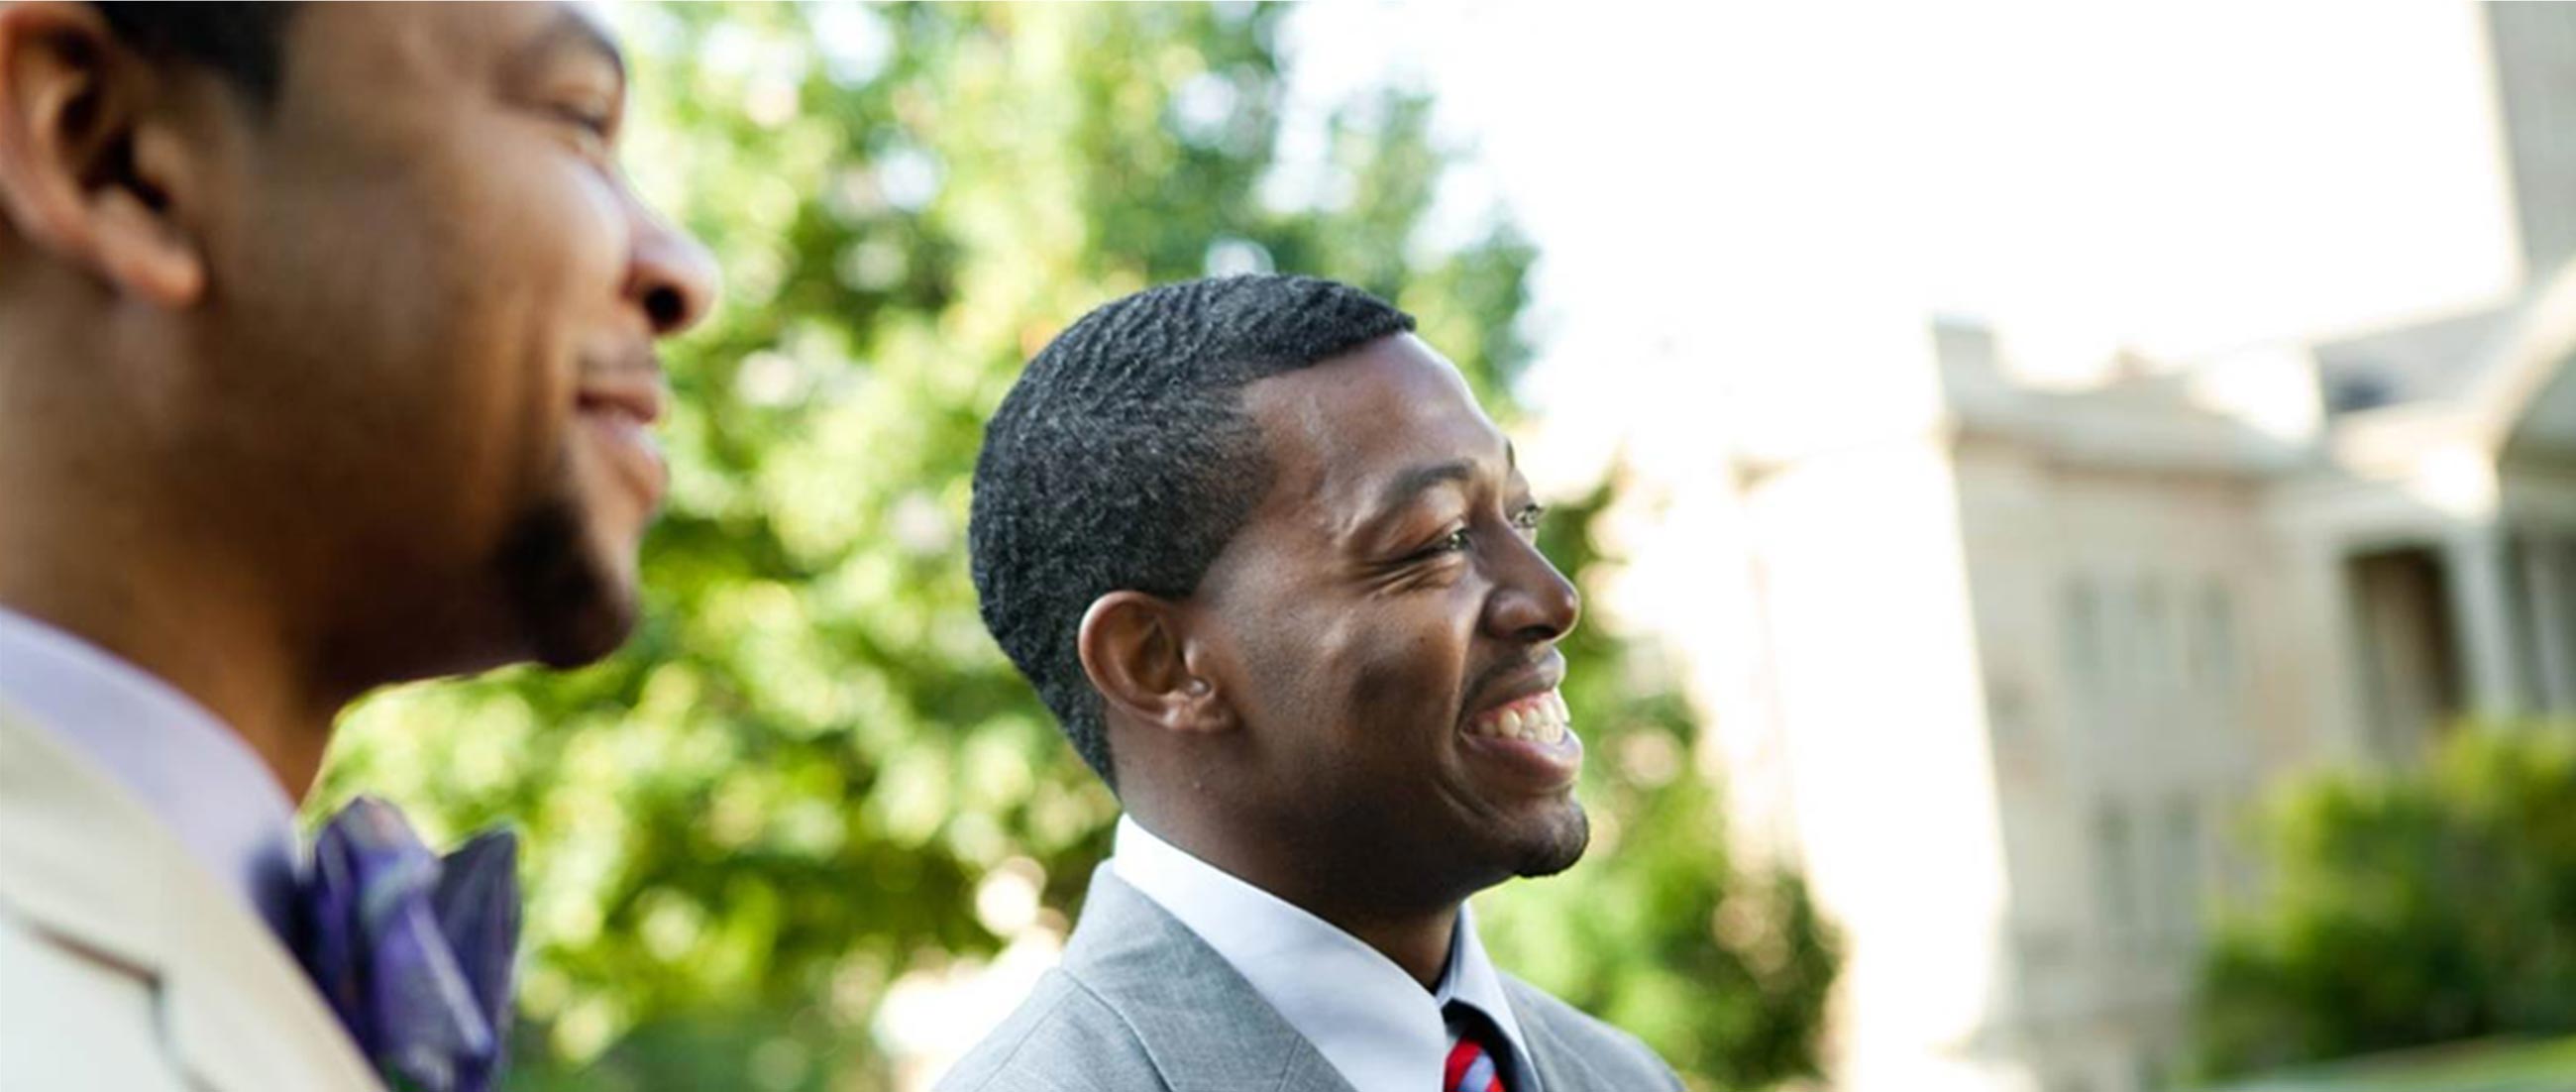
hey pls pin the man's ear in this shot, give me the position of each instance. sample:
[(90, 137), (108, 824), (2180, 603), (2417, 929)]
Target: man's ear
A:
[(88, 171), (1136, 650)]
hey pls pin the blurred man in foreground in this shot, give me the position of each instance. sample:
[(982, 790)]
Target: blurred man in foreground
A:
[(1271, 566), (326, 361)]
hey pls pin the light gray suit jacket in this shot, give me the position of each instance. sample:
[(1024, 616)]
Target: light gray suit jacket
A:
[(1141, 1003), (124, 965)]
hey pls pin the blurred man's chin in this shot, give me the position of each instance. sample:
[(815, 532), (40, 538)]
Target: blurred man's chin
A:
[(576, 601), (1560, 848), (585, 639)]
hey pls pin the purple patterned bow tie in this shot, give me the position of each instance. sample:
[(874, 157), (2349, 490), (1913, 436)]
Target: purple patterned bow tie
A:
[(414, 951)]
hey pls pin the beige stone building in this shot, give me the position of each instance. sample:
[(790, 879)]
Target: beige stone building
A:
[(2024, 654)]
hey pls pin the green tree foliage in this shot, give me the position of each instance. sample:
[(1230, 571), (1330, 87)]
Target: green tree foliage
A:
[(783, 795), (2405, 908)]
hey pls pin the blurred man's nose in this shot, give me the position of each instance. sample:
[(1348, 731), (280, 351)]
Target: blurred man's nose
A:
[(674, 277)]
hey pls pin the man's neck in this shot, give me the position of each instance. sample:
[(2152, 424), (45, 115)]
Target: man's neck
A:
[(195, 627), (1420, 943), (1417, 938), (113, 541)]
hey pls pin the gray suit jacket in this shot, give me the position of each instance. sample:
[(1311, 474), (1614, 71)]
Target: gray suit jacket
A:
[(1141, 1003)]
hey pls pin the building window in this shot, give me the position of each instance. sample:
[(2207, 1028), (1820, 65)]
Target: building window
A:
[(2178, 869), (2155, 643), (2218, 635), (2080, 619), (2115, 873)]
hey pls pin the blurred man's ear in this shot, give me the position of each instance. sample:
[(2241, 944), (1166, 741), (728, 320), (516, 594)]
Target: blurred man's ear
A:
[(89, 172), (1137, 654)]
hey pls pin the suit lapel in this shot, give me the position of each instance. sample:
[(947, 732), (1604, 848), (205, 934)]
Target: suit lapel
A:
[(1204, 1026), (92, 868), (242, 1012), (1560, 1067)]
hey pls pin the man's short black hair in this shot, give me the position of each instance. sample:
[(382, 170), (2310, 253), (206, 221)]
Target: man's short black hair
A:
[(1122, 460), (244, 42)]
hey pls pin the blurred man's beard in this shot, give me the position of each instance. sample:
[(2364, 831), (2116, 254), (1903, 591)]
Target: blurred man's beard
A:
[(570, 610)]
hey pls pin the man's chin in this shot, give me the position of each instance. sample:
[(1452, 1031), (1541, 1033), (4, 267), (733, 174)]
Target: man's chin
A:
[(1558, 846), (575, 601), (584, 639)]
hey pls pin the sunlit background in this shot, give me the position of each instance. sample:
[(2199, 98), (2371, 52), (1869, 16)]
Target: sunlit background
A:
[(2078, 505)]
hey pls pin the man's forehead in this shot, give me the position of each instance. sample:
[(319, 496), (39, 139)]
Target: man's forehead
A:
[(435, 40), (1358, 395), (1339, 430)]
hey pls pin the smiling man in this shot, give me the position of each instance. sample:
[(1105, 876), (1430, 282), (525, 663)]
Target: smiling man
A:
[(326, 361), (1272, 568)]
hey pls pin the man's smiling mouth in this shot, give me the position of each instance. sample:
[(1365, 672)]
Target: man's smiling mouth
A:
[(1539, 718)]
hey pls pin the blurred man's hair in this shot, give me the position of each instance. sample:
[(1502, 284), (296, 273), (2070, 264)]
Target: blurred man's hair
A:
[(1122, 460), (244, 42)]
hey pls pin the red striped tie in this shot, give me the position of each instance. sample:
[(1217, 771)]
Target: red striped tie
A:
[(1472, 1066)]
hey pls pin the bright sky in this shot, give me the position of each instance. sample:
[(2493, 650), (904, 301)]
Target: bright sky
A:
[(1721, 184)]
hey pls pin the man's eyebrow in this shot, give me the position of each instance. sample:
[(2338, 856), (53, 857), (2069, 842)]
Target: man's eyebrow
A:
[(571, 28), (1416, 481)]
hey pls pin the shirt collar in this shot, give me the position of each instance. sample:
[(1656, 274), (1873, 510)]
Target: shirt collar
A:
[(1364, 1014), (185, 766)]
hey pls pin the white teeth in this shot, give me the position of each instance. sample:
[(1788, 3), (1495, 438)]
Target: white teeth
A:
[(1551, 728), (1543, 719)]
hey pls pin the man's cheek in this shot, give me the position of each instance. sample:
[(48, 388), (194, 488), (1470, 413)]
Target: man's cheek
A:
[(1401, 678)]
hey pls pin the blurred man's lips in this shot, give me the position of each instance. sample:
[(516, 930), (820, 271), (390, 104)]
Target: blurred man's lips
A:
[(637, 392), (621, 415)]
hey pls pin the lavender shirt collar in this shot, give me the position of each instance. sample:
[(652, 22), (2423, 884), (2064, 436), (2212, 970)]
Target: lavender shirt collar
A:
[(178, 760)]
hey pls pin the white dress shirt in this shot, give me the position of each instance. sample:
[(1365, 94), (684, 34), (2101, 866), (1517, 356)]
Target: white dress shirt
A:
[(180, 762), (1364, 1014)]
